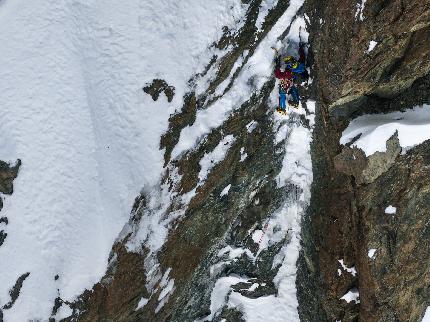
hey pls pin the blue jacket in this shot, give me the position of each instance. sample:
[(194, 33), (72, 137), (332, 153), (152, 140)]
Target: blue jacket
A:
[(299, 69)]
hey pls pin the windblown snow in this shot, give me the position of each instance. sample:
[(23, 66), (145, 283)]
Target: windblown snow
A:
[(73, 110), (412, 126)]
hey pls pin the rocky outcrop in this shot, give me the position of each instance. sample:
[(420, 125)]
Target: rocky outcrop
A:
[(347, 221), (7, 174), (350, 73), (157, 87), (353, 161)]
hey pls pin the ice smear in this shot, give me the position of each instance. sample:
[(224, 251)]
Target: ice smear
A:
[(251, 126), (258, 67), (167, 288), (413, 127), (265, 7)]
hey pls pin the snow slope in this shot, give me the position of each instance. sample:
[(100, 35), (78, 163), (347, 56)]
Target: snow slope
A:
[(73, 111)]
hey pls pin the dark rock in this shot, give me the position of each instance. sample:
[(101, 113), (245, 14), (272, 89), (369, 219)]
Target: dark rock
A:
[(350, 192), (3, 236), (7, 174), (15, 290), (157, 87), (57, 304)]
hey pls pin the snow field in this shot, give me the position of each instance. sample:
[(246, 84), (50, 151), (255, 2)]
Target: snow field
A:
[(73, 110)]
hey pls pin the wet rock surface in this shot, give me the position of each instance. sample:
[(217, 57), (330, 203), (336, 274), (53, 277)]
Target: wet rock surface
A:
[(347, 220)]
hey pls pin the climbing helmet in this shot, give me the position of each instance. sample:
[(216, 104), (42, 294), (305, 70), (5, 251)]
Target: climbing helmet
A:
[(289, 59)]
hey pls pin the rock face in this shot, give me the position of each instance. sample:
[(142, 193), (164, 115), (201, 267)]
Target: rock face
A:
[(239, 196), (347, 220)]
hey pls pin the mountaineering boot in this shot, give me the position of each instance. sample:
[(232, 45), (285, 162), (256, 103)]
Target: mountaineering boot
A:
[(293, 104), (281, 111)]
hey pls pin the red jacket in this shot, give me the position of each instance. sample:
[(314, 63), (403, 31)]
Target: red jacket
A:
[(288, 74), (286, 79)]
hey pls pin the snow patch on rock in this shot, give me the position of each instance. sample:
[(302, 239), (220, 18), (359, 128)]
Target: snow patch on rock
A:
[(390, 210), (413, 127), (352, 295), (371, 253), (372, 45), (225, 191)]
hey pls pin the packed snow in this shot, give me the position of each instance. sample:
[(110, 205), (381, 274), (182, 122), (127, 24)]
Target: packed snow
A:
[(225, 191), (350, 270), (243, 154), (390, 210), (212, 158), (413, 127), (426, 317), (360, 9), (251, 126), (372, 45), (219, 293), (352, 295), (371, 253), (142, 302)]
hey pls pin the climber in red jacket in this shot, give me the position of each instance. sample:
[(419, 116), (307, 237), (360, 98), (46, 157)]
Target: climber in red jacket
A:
[(285, 86)]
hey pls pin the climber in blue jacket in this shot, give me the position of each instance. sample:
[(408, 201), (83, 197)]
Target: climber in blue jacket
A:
[(297, 66)]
